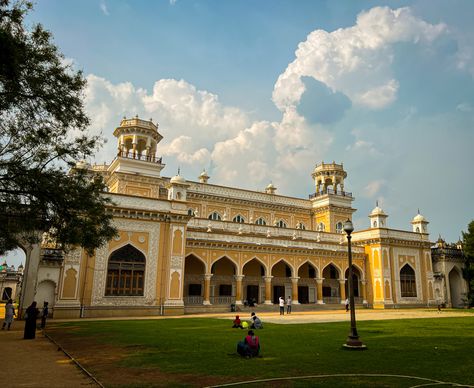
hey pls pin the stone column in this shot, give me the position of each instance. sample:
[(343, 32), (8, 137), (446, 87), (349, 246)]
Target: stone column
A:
[(238, 288), (364, 291), (294, 286), (319, 284), (207, 288), (30, 277), (342, 290), (268, 289)]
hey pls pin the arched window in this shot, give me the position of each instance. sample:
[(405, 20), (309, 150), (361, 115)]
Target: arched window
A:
[(281, 224), (407, 281), (301, 226), (339, 227), (238, 218), (260, 221), (190, 212), (417, 229), (321, 227), (7, 293), (126, 272), (215, 216), (375, 224)]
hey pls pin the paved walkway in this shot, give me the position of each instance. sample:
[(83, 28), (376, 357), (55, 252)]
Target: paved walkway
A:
[(38, 363)]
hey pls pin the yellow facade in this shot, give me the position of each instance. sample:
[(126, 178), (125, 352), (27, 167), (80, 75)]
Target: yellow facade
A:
[(185, 246)]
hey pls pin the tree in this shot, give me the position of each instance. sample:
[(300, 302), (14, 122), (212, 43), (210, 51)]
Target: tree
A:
[(43, 132), (468, 248)]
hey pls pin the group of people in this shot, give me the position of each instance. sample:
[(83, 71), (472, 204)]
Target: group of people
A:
[(282, 305), (31, 315), (255, 322), (249, 346)]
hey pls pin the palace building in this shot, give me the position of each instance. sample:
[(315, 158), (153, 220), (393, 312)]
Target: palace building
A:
[(186, 246)]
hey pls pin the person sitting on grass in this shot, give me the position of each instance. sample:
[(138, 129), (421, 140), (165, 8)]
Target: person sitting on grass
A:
[(250, 346), (237, 323), (256, 322)]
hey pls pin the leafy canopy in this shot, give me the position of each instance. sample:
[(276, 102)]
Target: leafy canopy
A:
[(43, 132)]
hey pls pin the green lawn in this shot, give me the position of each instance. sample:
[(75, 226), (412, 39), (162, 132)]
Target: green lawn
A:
[(440, 349)]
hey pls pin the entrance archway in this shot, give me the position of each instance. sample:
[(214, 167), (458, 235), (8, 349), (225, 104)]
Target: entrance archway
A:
[(455, 288), (331, 291), (307, 289), (281, 282), (253, 285), (194, 270), (356, 281), (223, 282)]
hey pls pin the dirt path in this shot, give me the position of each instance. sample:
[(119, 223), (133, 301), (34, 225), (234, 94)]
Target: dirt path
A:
[(37, 363)]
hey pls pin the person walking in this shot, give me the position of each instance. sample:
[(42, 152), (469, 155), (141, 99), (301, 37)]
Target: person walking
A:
[(282, 305), (30, 321), (288, 305), (44, 315), (9, 314)]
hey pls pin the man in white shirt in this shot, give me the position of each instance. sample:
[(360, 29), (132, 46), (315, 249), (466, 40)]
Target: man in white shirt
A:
[(288, 305), (282, 306)]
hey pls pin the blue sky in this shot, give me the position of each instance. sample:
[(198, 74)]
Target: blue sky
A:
[(260, 91)]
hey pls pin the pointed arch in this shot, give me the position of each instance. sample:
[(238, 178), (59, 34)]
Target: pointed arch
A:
[(256, 258), (239, 219), (292, 270), (455, 287), (408, 281), (327, 268), (222, 268), (126, 272), (310, 264), (198, 260)]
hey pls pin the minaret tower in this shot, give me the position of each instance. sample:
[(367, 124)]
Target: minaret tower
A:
[(136, 148), (331, 204)]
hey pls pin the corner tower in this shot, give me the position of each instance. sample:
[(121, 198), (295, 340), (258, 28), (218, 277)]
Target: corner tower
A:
[(331, 204), (136, 148)]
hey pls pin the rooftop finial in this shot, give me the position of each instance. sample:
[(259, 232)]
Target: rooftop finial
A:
[(179, 169), (377, 203), (418, 210)]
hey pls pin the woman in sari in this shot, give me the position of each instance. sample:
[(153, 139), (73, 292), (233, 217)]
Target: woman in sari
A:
[(30, 321)]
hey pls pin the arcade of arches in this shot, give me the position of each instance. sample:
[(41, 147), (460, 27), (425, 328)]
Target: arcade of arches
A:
[(224, 282)]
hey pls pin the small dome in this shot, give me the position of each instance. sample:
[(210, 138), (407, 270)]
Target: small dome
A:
[(419, 218), (204, 174), (270, 186), (177, 179), (377, 212)]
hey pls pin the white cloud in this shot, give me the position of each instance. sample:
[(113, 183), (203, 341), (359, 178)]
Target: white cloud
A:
[(103, 8), (464, 107), (355, 60), (373, 188), (173, 2)]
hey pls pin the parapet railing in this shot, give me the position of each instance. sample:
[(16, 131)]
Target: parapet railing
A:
[(331, 191)]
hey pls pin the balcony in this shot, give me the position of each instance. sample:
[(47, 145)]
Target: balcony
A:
[(332, 192), (136, 156)]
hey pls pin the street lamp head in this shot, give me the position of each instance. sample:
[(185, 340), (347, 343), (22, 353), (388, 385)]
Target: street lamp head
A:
[(348, 227)]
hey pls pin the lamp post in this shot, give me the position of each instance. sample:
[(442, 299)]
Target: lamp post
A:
[(353, 342)]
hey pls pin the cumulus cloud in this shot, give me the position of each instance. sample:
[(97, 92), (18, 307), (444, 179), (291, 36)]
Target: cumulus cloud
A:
[(373, 188), (356, 60), (464, 107)]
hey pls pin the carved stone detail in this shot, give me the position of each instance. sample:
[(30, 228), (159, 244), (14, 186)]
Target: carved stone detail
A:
[(100, 273)]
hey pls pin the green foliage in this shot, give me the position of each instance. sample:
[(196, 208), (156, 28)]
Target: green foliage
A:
[(468, 249), (430, 348), (43, 132)]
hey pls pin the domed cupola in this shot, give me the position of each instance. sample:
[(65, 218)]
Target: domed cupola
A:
[(177, 188), (420, 224), (378, 219)]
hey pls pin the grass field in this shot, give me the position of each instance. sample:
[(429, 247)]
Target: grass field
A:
[(201, 352)]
